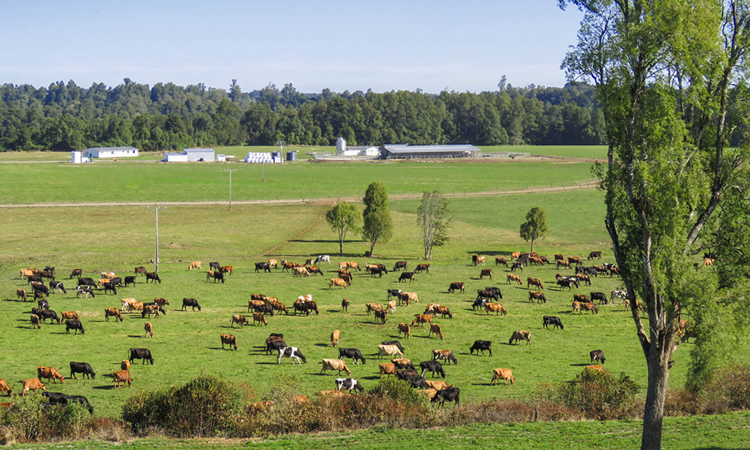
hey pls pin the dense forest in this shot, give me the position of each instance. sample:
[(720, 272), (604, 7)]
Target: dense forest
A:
[(165, 116)]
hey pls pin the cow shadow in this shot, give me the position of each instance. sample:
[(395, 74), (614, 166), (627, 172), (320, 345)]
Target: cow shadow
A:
[(136, 336), (580, 365), (322, 345), (268, 363), (105, 388), (217, 348), (334, 310), (373, 377)]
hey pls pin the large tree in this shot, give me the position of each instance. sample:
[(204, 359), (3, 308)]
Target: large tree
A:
[(343, 218), (378, 225), (434, 217), (665, 73), (535, 226)]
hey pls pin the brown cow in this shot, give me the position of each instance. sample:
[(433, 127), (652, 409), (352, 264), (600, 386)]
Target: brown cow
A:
[(408, 297), (562, 262), (520, 334), (435, 329), (590, 307), (505, 374), (404, 328), (227, 269), (258, 318), (49, 373), (387, 369), (35, 321), (273, 263), (114, 312), (194, 265), (335, 337), (122, 376), (32, 384), (496, 307), (422, 318), (477, 260), (513, 277), (500, 260), (577, 306), (373, 307), (535, 282), (485, 273), (338, 282), (69, 315), (515, 255), (149, 329), (228, 339), (21, 293), (239, 319), (5, 388)]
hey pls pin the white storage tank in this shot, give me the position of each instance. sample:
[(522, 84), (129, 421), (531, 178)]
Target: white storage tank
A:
[(340, 146), (75, 157)]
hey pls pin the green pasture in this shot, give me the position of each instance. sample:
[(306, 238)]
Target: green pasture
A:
[(568, 151)]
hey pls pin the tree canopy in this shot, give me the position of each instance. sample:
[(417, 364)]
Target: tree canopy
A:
[(535, 226), (433, 216), (378, 225), (343, 218)]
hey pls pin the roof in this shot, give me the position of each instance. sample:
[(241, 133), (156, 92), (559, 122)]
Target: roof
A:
[(110, 148), (404, 149), (198, 150)]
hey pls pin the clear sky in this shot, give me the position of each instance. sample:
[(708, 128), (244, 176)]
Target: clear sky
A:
[(383, 45)]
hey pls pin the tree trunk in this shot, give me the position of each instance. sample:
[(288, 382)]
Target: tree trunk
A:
[(341, 247), (532, 245), (653, 415), (372, 247)]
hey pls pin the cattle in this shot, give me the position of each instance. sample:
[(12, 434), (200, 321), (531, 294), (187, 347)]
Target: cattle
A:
[(435, 329), (76, 273), (335, 337), (312, 270), (584, 278), (35, 321), (396, 343), (81, 367), (404, 328), (513, 277), (485, 273), (408, 297), (515, 255), (520, 335), (373, 307), (501, 260), (112, 312), (422, 268), (432, 366), (48, 314), (69, 315), (323, 258), (162, 302), (597, 355), (301, 270), (505, 374), (562, 262), (227, 269), (135, 306), (259, 318), (552, 320), (480, 302), (497, 308), (305, 307), (149, 329), (406, 374), (534, 281), (445, 355), (443, 311), (580, 298), (614, 271), (601, 296), (389, 350), (391, 307), (345, 304), (239, 319), (214, 265), (353, 353), (151, 310), (273, 263), (43, 304), (406, 276), (32, 384), (538, 296), (593, 368), (456, 286), (575, 260), (386, 369), (57, 286), (5, 388), (381, 316), (490, 292), (618, 294), (153, 276), (422, 318), (57, 398), (86, 291), (393, 293), (108, 275), (194, 265), (567, 282), (74, 325), (21, 293), (122, 376), (516, 265), (124, 364), (190, 302), (129, 280), (230, 340), (403, 363), (478, 260), (38, 287), (451, 395), (291, 352), (590, 307), (400, 265), (434, 386), (109, 287), (338, 282), (593, 255), (481, 346), (335, 364), (274, 344), (49, 373), (141, 353), (262, 267), (349, 384)]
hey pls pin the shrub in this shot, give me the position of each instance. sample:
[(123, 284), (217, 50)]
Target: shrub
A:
[(32, 419), (727, 389), (599, 395)]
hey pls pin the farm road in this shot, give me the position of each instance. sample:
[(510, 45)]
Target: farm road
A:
[(317, 201)]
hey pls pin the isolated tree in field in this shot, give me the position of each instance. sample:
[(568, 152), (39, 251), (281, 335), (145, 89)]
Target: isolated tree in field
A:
[(343, 218), (671, 78), (378, 226), (434, 217), (535, 226)]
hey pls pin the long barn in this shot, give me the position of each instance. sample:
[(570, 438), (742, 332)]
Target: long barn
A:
[(403, 151)]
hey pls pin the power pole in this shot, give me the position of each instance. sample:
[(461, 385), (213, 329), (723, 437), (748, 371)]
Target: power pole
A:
[(230, 186), (156, 211)]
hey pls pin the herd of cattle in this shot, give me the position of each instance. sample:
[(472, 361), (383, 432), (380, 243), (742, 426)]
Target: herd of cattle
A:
[(262, 306)]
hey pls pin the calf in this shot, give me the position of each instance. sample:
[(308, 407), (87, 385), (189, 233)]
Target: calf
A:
[(353, 353), (481, 346), (141, 353), (435, 329), (451, 395), (149, 329), (520, 335), (74, 325), (432, 366), (505, 374), (349, 384), (190, 302), (552, 320), (597, 355), (81, 367)]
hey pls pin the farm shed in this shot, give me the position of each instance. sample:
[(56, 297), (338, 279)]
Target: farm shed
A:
[(403, 151), (110, 152), (191, 154)]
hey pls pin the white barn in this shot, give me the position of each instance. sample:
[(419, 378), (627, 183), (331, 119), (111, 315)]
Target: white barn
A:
[(110, 152), (192, 154)]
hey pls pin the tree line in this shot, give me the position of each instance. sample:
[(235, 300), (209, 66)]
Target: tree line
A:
[(165, 116)]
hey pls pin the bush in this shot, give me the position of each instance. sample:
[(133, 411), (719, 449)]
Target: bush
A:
[(32, 419), (727, 389), (599, 395)]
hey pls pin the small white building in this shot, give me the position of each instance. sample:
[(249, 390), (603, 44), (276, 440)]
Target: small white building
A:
[(191, 155), (362, 150), (110, 152)]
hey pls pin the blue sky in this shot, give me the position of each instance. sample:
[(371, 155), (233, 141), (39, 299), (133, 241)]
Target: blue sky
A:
[(382, 45)]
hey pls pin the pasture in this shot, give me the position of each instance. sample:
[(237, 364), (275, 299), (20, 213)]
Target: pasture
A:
[(186, 343)]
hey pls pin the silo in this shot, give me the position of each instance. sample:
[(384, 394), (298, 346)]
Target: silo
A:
[(340, 146)]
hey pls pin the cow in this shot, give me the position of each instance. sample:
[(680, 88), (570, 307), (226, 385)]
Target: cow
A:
[(272, 263), (86, 291), (335, 364), (552, 320), (403, 363), (353, 353), (387, 369), (450, 394), (422, 268), (5, 388), (69, 315), (373, 307), (349, 384), (149, 329), (57, 398), (129, 280), (335, 337), (239, 319), (214, 266), (393, 293), (76, 273), (153, 276), (230, 340), (432, 366), (590, 307), (312, 270), (580, 298), (485, 273), (534, 281), (190, 302), (323, 258), (389, 350), (74, 325), (519, 335), (259, 318), (443, 311), (382, 316), (592, 255), (538, 296), (597, 355), (262, 267), (516, 265), (122, 376), (81, 367), (396, 343), (445, 355), (338, 282), (301, 270), (422, 318), (391, 307), (152, 310), (435, 329), (35, 321), (306, 307), (32, 384), (274, 344), (43, 304), (582, 277), (456, 286), (618, 294), (500, 260), (601, 296), (491, 292), (505, 374), (567, 282), (562, 262), (345, 304), (141, 353), (513, 277), (404, 328), (194, 265), (48, 314), (49, 373), (406, 276), (400, 265), (575, 260), (497, 308), (57, 286), (478, 260), (291, 352), (21, 293), (112, 312), (481, 346), (480, 302), (227, 269), (408, 297)]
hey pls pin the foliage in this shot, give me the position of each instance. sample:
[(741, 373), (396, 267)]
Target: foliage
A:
[(599, 395), (378, 224), (343, 218), (434, 217), (32, 419), (535, 226), (728, 389)]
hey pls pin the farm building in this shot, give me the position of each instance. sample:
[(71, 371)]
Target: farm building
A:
[(343, 150), (191, 154), (403, 151), (110, 152)]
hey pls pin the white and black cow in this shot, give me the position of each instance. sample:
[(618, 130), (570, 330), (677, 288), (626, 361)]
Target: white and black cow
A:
[(353, 353), (291, 352), (57, 286), (349, 384), (85, 291), (597, 355), (323, 258)]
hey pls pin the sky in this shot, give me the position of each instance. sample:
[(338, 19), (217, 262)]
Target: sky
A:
[(383, 45)]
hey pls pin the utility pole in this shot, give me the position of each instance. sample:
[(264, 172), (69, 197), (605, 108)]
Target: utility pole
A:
[(230, 186), (156, 211)]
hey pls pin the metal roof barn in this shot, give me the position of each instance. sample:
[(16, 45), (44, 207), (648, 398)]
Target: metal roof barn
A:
[(401, 151)]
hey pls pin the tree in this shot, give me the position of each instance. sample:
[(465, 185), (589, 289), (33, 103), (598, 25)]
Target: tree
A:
[(378, 225), (535, 226), (343, 218), (434, 218), (665, 73)]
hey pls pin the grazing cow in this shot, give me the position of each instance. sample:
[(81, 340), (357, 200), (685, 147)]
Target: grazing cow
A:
[(291, 352), (153, 276), (141, 353), (601, 296), (535, 282), (230, 340), (338, 282), (456, 286), (21, 293), (422, 268), (323, 258), (49, 373), (262, 267), (109, 286), (57, 398), (404, 328), (406, 276), (35, 321), (434, 386), (404, 363), (582, 277), (538, 296), (259, 318), (140, 270), (382, 316), (386, 369), (335, 337), (597, 255), (130, 280), (497, 308), (345, 304), (516, 265), (576, 306), (32, 384), (422, 318), (5, 388), (393, 293), (349, 384), (305, 307), (481, 346), (301, 270), (614, 271), (432, 366), (122, 376), (57, 286), (519, 335), (435, 329), (190, 302), (491, 292), (451, 395), (151, 310), (562, 262), (408, 297), (69, 315), (500, 260), (227, 269), (552, 320), (389, 350), (194, 265), (597, 355), (112, 312), (567, 282), (485, 273), (480, 302), (335, 364), (274, 344), (43, 304), (391, 307), (85, 291), (353, 353), (76, 273), (513, 277), (505, 374), (214, 266), (373, 307), (149, 329), (618, 294), (396, 343), (81, 367), (581, 298), (239, 319), (74, 325), (443, 311), (575, 260), (590, 307), (445, 355), (400, 265), (477, 260)]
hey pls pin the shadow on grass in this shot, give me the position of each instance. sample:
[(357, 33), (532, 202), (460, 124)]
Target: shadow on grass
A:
[(135, 336)]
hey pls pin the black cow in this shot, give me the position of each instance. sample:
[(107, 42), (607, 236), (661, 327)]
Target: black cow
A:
[(353, 353), (396, 343), (47, 274), (344, 304), (48, 314), (587, 271), (265, 309), (405, 374), (274, 345), (552, 320), (110, 287), (481, 346), (116, 281), (597, 355), (495, 290), (378, 270), (305, 308), (142, 354), (418, 382), (85, 290), (190, 302), (406, 276), (81, 367), (601, 296), (432, 366), (40, 288), (262, 266), (486, 293), (400, 265), (74, 325), (393, 293), (479, 303), (87, 282), (567, 283), (214, 266), (76, 273), (57, 286), (49, 269), (456, 286), (450, 394), (43, 304), (130, 280), (593, 255), (218, 276), (153, 276), (349, 384), (58, 398), (516, 265)]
